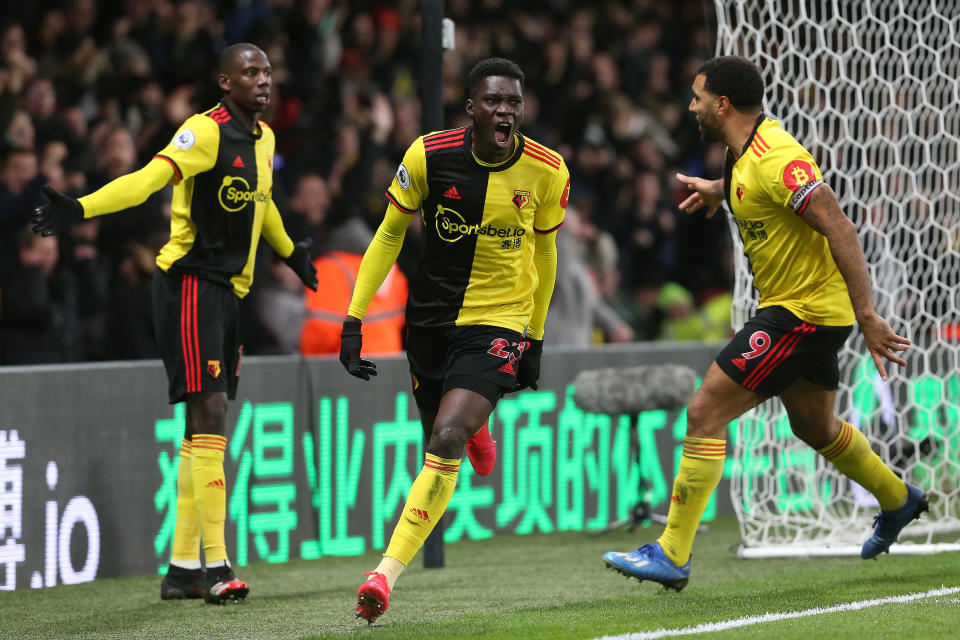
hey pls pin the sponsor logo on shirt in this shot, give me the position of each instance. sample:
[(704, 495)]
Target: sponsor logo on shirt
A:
[(235, 193), (451, 227), (751, 229), (798, 173)]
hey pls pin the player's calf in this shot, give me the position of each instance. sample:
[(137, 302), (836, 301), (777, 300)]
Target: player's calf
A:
[(482, 451)]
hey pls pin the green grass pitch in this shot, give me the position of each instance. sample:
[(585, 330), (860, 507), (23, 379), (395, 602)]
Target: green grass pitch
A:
[(538, 586)]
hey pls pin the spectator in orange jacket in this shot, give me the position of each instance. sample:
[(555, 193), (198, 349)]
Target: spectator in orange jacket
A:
[(337, 274)]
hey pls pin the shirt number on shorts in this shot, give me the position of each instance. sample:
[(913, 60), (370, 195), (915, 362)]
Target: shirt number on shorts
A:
[(759, 342), (499, 346)]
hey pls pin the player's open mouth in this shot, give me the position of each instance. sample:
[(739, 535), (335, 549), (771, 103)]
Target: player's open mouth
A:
[(502, 133), (263, 98)]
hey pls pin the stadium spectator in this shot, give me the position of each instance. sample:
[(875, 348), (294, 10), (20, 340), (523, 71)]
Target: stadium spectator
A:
[(337, 267), (813, 282), (578, 310), (217, 161), (20, 185), (601, 90), (307, 217), (278, 308), (90, 273), (478, 303), (40, 102), (38, 307)]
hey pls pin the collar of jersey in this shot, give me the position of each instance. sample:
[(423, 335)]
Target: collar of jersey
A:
[(753, 133), (506, 164), (256, 135)]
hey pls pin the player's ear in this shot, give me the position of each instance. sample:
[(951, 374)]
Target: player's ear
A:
[(470, 107), (722, 105), (223, 80)]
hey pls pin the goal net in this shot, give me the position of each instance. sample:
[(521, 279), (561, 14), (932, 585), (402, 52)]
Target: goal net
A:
[(871, 89)]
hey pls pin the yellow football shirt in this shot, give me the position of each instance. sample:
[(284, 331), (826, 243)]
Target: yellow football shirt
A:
[(767, 190), (479, 222), (221, 199)]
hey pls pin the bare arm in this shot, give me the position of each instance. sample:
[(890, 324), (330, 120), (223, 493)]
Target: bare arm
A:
[(824, 215)]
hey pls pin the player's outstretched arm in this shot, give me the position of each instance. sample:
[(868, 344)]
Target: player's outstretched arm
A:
[(706, 193), (824, 215), (61, 212), (376, 264)]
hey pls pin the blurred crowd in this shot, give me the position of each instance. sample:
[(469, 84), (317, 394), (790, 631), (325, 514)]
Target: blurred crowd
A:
[(91, 89)]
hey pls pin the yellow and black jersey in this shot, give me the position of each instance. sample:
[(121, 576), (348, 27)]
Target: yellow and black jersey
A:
[(767, 189), (224, 180), (479, 221)]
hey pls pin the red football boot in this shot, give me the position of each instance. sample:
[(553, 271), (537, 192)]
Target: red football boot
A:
[(224, 586), (373, 597), (482, 451)]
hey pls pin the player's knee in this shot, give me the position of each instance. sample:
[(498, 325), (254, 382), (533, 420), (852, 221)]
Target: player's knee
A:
[(447, 440), (701, 422), (696, 418), (209, 413)]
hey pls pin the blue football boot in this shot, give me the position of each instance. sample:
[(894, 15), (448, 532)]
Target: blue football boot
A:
[(649, 562), (887, 525)]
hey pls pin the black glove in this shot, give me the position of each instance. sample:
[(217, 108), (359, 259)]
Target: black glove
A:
[(302, 265), (61, 213), (529, 371), (351, 340)]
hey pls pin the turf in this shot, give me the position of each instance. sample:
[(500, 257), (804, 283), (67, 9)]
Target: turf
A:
[(516, 587)]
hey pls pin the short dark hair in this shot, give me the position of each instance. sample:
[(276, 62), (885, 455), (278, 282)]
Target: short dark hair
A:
[(9, 150), (736, 78), (230, 53), (493, 67)]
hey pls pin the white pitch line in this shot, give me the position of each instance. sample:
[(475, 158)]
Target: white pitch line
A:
[(708, 627)]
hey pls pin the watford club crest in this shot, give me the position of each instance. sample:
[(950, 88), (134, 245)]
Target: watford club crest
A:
[(213, 368), (740, 191), (521, 198)]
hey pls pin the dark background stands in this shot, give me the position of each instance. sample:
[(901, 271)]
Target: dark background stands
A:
[(91, 89)]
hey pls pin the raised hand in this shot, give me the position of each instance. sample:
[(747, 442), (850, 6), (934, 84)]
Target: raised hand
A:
[(706, 193), (882, 342)]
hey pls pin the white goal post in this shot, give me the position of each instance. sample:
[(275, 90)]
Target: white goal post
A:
[(872, 89)]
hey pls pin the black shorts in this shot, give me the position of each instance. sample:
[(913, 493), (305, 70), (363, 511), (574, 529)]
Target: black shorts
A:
[(775, 348), (197, 324), (480, 358)]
